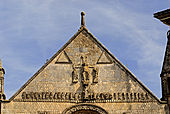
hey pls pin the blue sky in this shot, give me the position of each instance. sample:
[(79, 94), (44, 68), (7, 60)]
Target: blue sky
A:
[(31, 31)]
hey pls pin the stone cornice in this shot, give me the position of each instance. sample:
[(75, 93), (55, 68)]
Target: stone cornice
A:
[(163, 16)]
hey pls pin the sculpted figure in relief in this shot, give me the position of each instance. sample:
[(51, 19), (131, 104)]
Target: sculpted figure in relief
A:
[(74, 76), (95, 75), (85, 74)]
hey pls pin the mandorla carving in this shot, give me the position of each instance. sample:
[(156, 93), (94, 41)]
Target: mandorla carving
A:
[(86, 74)]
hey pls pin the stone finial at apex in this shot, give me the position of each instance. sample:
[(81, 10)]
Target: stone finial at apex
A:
[(2, 72), (82, 19), (0, 64), (1, 68)]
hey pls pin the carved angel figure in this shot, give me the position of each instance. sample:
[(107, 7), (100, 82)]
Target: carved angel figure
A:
[(74, 76), (95, 75)]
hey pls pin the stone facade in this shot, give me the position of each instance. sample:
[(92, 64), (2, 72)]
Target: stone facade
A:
[(83, 77)]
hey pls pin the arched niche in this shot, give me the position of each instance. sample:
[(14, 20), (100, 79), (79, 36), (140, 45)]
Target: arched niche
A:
[(84, 109)]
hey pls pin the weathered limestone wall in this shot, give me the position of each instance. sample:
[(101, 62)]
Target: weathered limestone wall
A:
[(109, 77), (84, 72), (58, 108)]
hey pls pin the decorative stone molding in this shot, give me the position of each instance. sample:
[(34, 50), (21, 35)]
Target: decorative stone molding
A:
[(84, 107), (77, 97)]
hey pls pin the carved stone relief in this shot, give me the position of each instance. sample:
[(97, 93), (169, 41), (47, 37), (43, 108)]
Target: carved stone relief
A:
[(74, 76), (88, 75), (95, 75), (88, 97), (84, 107)]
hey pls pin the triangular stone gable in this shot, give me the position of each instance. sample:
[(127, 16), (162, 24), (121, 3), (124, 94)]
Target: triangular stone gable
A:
[(105, 77)]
